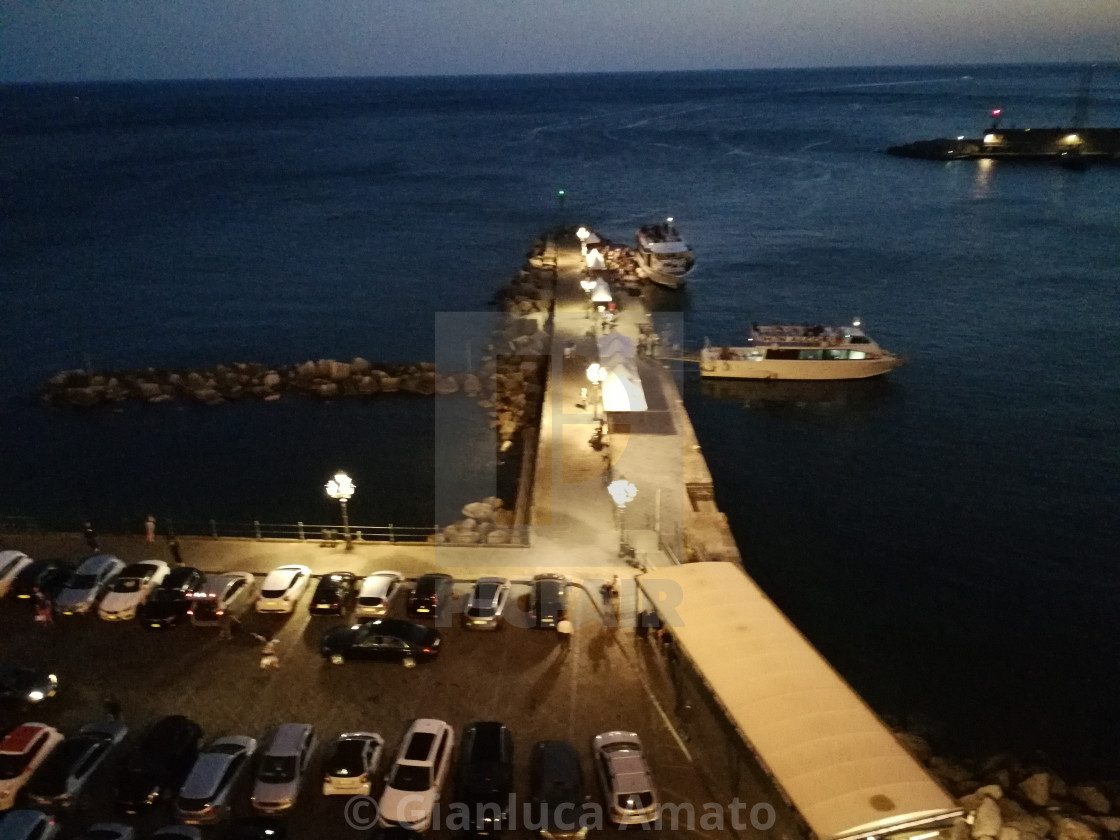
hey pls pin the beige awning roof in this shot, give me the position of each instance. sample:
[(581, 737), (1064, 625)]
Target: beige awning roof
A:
[(837, 762)]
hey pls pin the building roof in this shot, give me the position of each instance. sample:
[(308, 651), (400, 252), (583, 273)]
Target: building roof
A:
[(837, 762)]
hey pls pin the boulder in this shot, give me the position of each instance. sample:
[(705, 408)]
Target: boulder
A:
[(271, 379), (389, 384), (987, 820), (1067, 828), (1008, 832), (272, 397), (499, 536), (1091, 798), (493, 501), (960, 829), (369, 385), (337, 371), (1036, 789), (467, 524), (463, 537), (327, 390), (207, 396), (1110, 824), (307, 370), (160, 398), (1029, 825), (471, 385), (478, 511), (1010, 809), (993, 791), (149, 390), (360, 366), (323, 368), (426, 383), (446, 385)]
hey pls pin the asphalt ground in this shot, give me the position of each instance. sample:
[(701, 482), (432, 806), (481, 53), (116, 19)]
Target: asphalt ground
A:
[(607, 680)]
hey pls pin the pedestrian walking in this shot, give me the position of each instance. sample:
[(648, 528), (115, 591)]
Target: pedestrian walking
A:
[(564, 629), (90, 537), (270, 661), (112, 706), (150, 529), (173, 547), (44, 610)]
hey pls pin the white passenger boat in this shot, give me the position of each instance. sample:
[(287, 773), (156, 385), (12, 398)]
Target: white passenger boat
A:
[(799, 352), (663, 255)]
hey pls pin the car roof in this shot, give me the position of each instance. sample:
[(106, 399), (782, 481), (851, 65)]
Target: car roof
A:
[(142, 568), (97, 562), (286, 738), (629, 772), (285, 573), (217, 584), (20, 738)]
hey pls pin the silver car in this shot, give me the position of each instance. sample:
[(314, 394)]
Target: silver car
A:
[(205, 795), (88, 584), (376, 594), (485, 606), (627, 783), (283, 765)]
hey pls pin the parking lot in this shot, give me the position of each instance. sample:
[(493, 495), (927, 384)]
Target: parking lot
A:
[(608, 679)]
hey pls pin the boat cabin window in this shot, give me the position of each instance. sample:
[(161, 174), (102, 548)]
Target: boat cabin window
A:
[(856, 354), (754, 355), (808, 354), (836, 354), (781, 353), (860, 339)]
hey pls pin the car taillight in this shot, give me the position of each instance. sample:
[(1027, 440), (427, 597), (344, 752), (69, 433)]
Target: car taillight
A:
[(220, 612), (190, 612)]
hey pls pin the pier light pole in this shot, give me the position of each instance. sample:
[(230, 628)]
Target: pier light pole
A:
[(597, 375), (341, 488), (623, 493), (583, 234)]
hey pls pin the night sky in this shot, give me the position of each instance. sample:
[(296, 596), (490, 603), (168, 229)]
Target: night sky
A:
[(71, 40)]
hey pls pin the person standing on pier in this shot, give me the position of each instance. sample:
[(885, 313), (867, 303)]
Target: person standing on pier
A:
[(90, 537), (173, 547), (150, 529)]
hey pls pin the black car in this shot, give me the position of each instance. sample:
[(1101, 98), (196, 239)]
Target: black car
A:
[(550, 601), (160, 760), (25, 685), (169, 602), (556, 787), (41, 576), (431, 595), (334, 594), (486, 776), (382, 639)]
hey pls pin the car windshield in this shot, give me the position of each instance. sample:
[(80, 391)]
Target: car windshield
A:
[(277, 768), (369, 601), (347, 758), (635, 801), (127, 585), (480, 612), (12, 764), (273, 593), (81, 581), (162, 595), (411, 777)]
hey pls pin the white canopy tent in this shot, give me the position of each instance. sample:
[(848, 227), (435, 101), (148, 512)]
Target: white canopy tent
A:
[(622, 389), (595, 260), (837, 762), (602, 292)]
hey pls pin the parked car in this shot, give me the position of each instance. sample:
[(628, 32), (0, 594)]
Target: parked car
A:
[(377, 593), (385, 639), (283, 765), (11, 564), (28, 825), (282, 588), (431, 595), (417, 776), (486, 604), (86, 585), (158, 762), (24, 685), (556, 789), (169, 602), (333, 594), (625, 778), (21, 752), (177, 832), (549, 603), (107, 831), (62, 777), (353, 761), (486, 776), (205, 795), (40, 576), (231, 593), (131, 588)]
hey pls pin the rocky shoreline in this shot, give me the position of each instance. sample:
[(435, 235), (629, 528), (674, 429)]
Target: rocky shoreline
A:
[(1006, 798)]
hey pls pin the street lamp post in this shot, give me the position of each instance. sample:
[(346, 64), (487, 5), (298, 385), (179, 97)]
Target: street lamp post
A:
[(341, 488), (583, 234), (622, 492), (597, 375)]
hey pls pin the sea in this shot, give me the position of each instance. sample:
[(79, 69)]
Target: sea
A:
[(947, 537)]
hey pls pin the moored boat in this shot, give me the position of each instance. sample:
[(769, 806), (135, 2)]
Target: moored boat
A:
[(663, 255), (805, 352)]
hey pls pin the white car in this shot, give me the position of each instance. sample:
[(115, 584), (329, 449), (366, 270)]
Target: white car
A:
[(28, 825), (11, 564), (87, 584), (282, 589), (414, 783), (352, 763), (22, 750), (131, 588), (625, 777), (376, 593)]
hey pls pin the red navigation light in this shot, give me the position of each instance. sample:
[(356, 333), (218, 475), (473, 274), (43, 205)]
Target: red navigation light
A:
[(996, 112)]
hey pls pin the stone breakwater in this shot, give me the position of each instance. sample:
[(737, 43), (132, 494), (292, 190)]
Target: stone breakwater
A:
[(1009, 799)]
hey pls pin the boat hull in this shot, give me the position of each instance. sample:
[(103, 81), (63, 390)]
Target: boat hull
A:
[(662, 278), (807, 370)]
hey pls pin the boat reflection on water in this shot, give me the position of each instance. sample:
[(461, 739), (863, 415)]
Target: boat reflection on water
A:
[(819, 396)]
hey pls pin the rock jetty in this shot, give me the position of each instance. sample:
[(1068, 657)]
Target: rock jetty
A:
[(1008, 799)]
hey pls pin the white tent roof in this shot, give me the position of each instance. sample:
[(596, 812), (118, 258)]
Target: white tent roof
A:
[(622, 389), (595, 259), (602, 292), (840, 766)]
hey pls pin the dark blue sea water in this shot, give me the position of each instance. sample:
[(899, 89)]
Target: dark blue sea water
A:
[(948, 538)]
